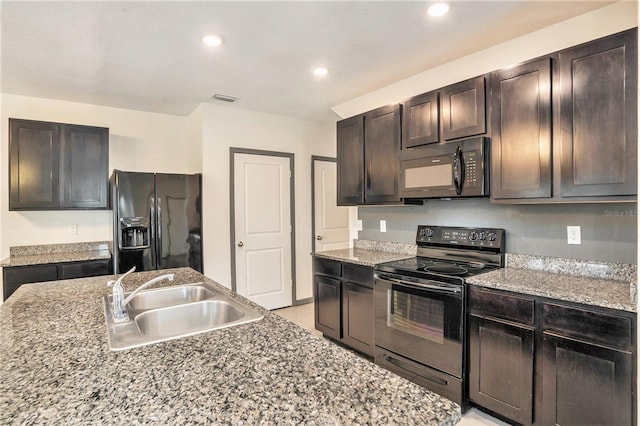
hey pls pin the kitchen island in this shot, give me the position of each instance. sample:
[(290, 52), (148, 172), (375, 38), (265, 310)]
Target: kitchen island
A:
[(56, 367)]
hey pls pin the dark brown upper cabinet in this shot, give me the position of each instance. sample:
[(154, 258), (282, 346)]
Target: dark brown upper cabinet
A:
[(521, 131), (463, 109), (598, 84), (350, 161), (85, 153), (420, 120), (381, 150), (56, 166), (367, 155)]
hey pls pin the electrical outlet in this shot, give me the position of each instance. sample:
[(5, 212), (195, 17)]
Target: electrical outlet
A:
[(573, 235), (73, 229), (383, 226), (359, 225)]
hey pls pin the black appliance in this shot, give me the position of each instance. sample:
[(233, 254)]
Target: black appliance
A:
[(448, 170), (420, 304), (157, 221)]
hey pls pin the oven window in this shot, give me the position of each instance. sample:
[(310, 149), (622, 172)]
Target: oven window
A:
[(417, 315), (428, 176)]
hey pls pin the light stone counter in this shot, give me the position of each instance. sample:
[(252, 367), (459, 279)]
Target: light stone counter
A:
[(56, 368), (56, 253), (608, 285)]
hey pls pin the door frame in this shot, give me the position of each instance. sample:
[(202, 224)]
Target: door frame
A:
[(292, 211), (315, 158)]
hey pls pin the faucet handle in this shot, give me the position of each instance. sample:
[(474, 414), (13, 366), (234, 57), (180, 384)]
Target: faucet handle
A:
[(110, 283)]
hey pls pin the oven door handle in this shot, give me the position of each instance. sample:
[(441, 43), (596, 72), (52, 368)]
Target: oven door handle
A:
[(406, 367), (419, 286)]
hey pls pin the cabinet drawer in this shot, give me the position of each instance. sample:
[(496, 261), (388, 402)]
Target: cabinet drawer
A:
[(14, 277), (598, 327), (501, 305), (327, 267), (84, 269), (358, 274)]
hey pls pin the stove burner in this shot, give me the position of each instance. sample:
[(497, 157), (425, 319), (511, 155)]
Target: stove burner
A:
[(448, 269)]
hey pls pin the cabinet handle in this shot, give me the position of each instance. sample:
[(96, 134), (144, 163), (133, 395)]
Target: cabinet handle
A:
[(240, 244), (319, 238)]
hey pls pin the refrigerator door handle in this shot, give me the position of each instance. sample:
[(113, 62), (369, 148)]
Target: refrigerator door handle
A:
[(152, 229), (159, 231)]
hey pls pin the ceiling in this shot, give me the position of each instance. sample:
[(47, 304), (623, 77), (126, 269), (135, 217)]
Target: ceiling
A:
[(149, 55)]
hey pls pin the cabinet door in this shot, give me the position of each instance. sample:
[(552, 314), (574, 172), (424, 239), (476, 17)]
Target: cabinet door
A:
[(381, 150), (91, 268), (14, 277), (521, 131), (327, 306), (501, 367), (34, 152), (598, 117), (420, 120), (357, 317), (85, 162), (585, 384), (350, 158), (463, 109)]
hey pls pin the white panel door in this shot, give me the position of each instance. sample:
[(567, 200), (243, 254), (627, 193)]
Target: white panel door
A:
[(331, 221), (262, 186)]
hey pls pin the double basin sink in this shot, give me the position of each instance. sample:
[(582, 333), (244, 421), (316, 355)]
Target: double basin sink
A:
[(173, 312)]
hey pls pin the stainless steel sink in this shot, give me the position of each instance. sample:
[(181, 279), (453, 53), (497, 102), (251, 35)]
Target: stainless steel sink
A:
[(189, 318), (170, 296), (173, 312)]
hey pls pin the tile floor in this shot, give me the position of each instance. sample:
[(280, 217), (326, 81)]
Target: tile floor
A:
[(303, 316)]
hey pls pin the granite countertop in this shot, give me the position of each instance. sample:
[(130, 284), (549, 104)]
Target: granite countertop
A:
[(606, 293), (57, 368), (57, 253), (362, 256)]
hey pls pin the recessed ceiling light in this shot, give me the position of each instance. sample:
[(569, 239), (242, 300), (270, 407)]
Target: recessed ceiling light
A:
[(320, 71), (438, 9), (212, 40)]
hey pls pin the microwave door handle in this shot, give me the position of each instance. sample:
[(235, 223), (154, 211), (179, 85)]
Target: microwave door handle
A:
[(458, 170)]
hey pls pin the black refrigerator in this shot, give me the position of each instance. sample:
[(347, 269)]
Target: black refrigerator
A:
[(157, 221)]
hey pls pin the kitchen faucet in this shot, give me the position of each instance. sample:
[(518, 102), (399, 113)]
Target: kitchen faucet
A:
[(119, 302)]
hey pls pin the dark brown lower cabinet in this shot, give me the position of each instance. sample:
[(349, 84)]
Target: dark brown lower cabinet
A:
[(327, 308), (357, 319), (343, 294), (14, 276), (501, 367), (588, 367), (539, 361)]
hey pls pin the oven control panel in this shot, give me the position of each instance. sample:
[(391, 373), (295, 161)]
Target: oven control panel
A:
[(490, 238)]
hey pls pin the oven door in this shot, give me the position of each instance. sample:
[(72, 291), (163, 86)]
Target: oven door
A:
[(421, 320)]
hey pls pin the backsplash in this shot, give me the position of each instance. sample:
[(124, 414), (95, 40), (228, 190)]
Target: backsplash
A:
[(608, 230)]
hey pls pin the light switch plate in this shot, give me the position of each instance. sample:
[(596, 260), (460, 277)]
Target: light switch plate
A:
[(359, 225), (73, 228), (573, 235), (383, 226)]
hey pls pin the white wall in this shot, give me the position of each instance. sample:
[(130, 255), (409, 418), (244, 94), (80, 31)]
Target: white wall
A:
[(138, 141), (599, 23), (225, 127)]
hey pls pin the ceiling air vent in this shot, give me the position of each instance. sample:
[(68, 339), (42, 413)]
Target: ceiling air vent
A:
[(225, 98)]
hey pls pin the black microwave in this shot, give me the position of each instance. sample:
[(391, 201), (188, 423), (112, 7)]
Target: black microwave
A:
[(448, 170)]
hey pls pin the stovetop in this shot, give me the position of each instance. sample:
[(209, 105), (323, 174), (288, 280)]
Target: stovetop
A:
[(451, 253), (430, 266)]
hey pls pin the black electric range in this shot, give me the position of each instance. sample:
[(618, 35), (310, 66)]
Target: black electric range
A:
[(420, 306)]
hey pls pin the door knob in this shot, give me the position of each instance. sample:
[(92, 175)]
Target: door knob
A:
[(240, 244), (319, 237)]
